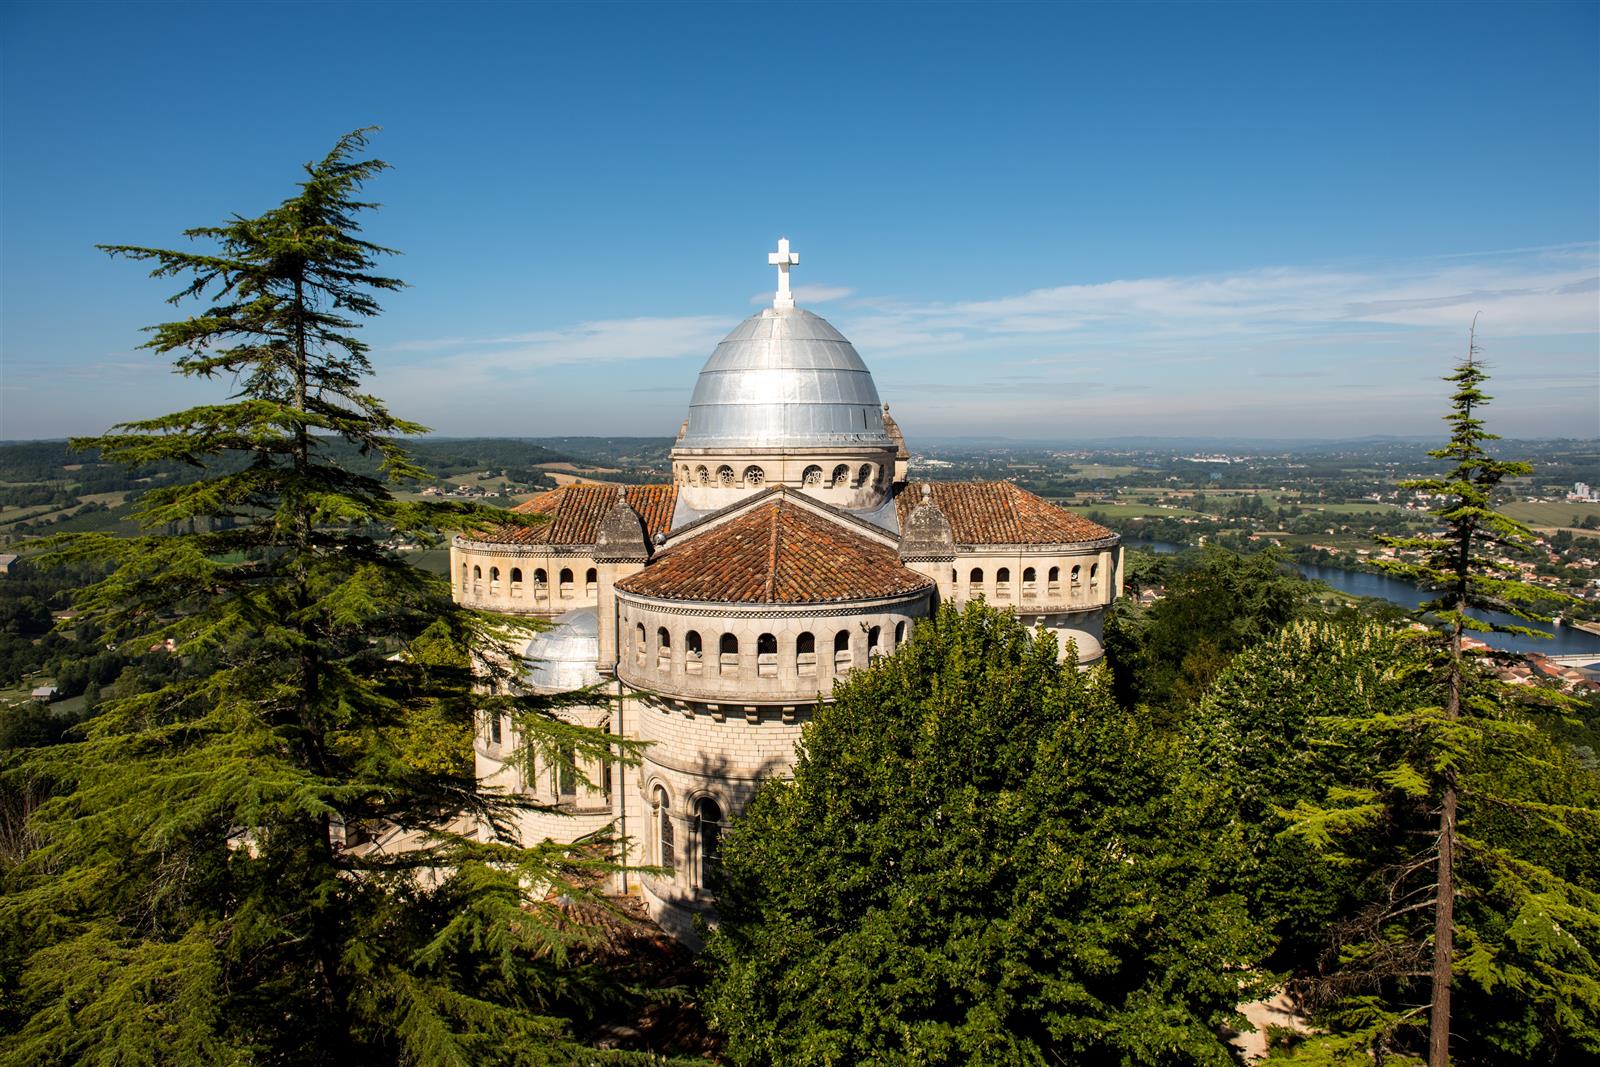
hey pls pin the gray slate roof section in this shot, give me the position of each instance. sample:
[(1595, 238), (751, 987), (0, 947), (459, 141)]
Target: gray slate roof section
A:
[(563, 657)]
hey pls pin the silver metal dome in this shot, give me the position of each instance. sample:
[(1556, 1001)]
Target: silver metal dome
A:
[(563, 657), (785, 378)]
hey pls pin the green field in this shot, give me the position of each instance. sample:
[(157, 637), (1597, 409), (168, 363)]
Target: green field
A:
[(1550, 515), (1084, 471), (1125, 511)]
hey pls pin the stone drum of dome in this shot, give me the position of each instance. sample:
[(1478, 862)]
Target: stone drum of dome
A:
[(785, 379)]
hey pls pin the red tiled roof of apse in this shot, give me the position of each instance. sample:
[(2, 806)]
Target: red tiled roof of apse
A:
[(999, 513), (777, 553), (572, 514)]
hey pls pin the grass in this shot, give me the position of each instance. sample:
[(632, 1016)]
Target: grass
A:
[(1085, 471), (1547, 516), (1126, 511)]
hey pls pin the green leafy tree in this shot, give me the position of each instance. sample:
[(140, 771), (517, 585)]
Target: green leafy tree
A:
[(1475, 908), (193, 893), (980, 859), (1216, 603)]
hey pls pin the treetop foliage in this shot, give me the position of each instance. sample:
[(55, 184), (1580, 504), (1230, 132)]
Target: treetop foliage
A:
[(979, 860), (212, 878)]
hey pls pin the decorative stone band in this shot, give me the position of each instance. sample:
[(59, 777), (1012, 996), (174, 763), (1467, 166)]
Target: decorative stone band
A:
[(517, 549), (830, 609), (1064, 547)]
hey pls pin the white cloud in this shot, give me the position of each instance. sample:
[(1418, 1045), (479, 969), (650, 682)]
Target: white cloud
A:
[(809, 294)]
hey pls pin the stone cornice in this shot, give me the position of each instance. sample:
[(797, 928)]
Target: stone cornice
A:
[(829, 609), (1020, 549), (506, 548)]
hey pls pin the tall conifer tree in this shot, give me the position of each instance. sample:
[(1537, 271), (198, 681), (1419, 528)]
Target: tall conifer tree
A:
[(1477, 746), (194, 897)]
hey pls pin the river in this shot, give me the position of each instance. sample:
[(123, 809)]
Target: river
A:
[(1563, 640)]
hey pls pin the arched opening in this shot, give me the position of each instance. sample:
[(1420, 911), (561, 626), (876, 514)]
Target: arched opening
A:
[(708, 839), (874, 640), (565, 578), (702, 475), (693, 656), (663, 649), (564, 775), (864, 475), (494, 729), (725, 476), (1054, 587), (477, 574), (1002, 583), (494, 579), (754, 476), (516, 581), (766, 656), (805, 655), (899, 634), (841, 651), (1075, 571), (463, 577), (638, 643), (728, 654), (1094, 574), (591, 580), (811, 477), (661, 815), (841, 476), (975, 582), (1030, 583)]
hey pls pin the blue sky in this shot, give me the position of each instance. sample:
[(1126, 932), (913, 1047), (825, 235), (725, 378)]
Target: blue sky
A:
[(1041, 221)]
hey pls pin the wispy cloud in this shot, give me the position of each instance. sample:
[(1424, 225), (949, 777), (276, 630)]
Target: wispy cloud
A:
[(809, 294), (1281, 350)]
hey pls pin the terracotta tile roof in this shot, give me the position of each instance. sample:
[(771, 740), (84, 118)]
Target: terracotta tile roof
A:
[(999, 513), (777, 553), (573, 513)]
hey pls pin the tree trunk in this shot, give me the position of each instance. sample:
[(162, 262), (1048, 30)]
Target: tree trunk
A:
[(1444, 912)]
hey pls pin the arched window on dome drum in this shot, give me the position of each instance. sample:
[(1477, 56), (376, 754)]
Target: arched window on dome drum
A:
[(702, 475), (708, 839), (805, 655), (899, 634), (975, 582), (692, 653), (1075, 571), (754, 476), (661, 815), (864, 475), (516, 581), (874, 637), (1002, 583), (811, 477), (1055, 581), (841, 476), (1030, 583), (766, 656), (638, 643), (1094, 574), (591, 583), (566, 583), (728, 654), (494, 728), (477, 574), (725, 476), (463, 577), (842, 660), (494, 579), (663, 649)]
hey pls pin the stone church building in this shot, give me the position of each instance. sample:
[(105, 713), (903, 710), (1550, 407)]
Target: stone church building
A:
[(791, 548)]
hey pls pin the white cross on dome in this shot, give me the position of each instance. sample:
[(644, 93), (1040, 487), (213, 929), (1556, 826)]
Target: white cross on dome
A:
[(783, 259)]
